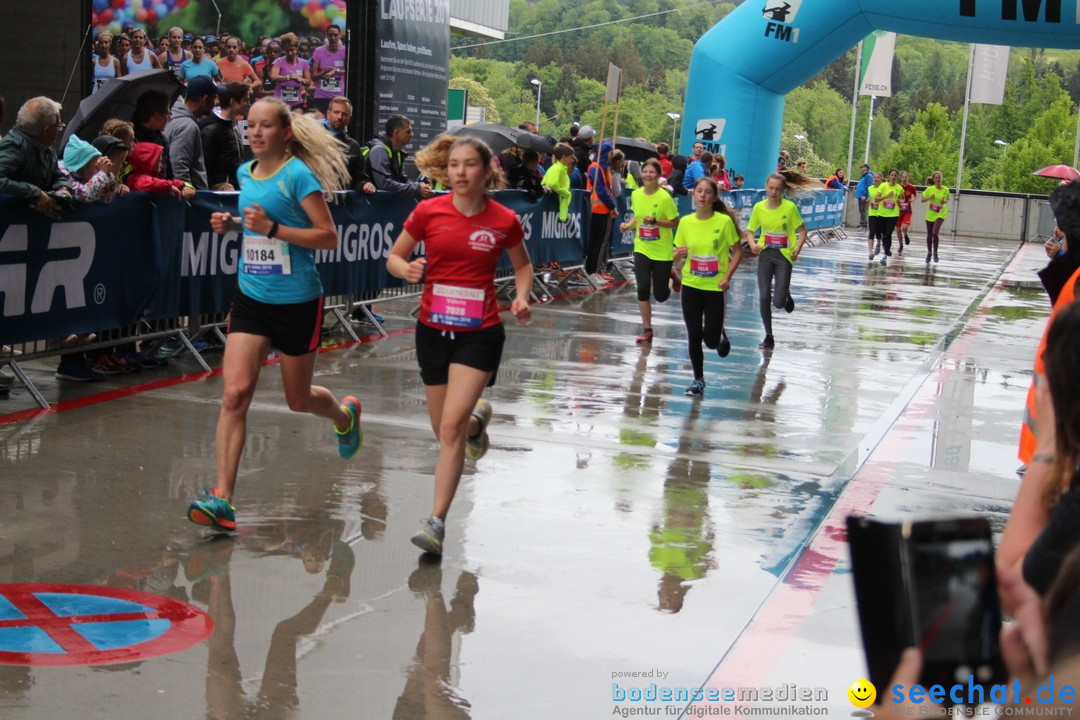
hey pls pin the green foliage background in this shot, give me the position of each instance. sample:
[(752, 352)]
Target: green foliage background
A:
[(917, 129)]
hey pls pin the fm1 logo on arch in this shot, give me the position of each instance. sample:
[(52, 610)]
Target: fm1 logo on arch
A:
[(781, 14), (53, 624)]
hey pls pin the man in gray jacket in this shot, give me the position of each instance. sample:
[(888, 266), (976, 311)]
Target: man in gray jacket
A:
[(28, 167), (386, 156), (183, 134)]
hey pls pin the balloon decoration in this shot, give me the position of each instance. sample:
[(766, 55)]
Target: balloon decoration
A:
[(319, 13), (114, 15)]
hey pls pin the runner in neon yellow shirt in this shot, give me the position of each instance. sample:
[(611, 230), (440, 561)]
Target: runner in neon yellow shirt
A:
[(888, 196), (873, 216), (937, 198), (779, 223), (654, 216), (703, 245)]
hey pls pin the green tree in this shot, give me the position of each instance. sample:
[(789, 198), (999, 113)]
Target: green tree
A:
[(924, 147)]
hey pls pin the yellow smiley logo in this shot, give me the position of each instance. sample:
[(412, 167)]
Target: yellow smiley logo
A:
[(862, 693)]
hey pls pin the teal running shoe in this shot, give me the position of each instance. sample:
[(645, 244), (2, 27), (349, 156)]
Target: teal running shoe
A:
[(350, 440), (212, 510)]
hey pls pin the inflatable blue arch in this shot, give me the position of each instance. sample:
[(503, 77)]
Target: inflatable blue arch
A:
[(743, 67)]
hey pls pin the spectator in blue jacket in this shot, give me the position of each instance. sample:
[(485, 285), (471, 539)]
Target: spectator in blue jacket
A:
[(862, 193), (697, 169)]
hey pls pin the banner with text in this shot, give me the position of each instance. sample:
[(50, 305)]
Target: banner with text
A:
[(989, 68), (877, 60), (412, 57)]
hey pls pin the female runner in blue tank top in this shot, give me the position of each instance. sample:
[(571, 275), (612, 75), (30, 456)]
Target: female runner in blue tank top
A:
[(278, 303)]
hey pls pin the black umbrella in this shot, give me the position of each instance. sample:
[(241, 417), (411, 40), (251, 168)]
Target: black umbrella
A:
[(503, 137), (116, 98), (639, 150)]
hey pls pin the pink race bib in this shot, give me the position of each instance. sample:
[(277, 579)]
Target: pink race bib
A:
[(935, 208), (649, 232), (905, 207), (704, 265), (456, 306), (776, 240), (889, 205)]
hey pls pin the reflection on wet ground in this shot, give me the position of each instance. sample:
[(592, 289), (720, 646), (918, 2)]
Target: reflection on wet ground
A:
[(615, 526)]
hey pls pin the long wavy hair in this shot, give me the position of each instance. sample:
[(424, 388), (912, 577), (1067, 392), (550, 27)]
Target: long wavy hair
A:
[(435, 157), (795, 183), (315, 147)]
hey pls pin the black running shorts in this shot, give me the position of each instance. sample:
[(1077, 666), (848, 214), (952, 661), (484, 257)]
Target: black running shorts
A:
[(437, 349), (293, 328)]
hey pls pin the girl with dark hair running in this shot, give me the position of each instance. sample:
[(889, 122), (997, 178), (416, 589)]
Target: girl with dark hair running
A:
[(907, 200), (781, 238), (873, 216), (704, 242), (937, 198), (654, 216), (459, 334), (888, 195)]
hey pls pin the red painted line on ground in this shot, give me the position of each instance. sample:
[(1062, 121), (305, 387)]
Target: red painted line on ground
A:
[(753, 658), (118, 393)]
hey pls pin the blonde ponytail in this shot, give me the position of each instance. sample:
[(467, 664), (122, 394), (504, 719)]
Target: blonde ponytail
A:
[(315, 147)]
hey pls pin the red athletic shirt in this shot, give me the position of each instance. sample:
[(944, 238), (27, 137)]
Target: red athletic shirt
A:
[(459, 287)]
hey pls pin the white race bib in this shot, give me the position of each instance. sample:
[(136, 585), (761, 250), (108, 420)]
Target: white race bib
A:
[(266, 256)]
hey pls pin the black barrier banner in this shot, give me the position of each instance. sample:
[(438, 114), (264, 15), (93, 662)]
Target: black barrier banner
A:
[(95, 270), (548, 238), (159, 258)]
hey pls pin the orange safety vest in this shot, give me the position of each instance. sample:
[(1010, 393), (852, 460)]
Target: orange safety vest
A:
[(598, 206), (1027, 430)]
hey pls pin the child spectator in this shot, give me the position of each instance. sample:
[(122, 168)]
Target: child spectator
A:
[(557, 177), (90, 174), (116, 150), (148, 173), (739, 182)]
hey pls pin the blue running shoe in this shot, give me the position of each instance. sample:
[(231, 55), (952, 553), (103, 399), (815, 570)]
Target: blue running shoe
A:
[(212, 510), (350, 440)]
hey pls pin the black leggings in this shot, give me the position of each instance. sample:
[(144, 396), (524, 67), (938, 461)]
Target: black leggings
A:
[(599, 229), (703, 313), (773, 264), (654, 274), (933, 232), (886, 229)]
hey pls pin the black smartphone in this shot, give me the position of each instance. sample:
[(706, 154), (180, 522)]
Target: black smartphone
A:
[(931, 585)]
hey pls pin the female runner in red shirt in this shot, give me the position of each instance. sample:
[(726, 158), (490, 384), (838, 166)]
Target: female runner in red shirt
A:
[(907, 200), (459, 334)]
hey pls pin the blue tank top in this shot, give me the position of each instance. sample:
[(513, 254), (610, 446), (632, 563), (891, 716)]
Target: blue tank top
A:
[(174, 65)]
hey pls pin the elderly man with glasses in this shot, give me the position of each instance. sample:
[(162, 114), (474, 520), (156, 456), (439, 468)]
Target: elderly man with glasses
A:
[(28, 167)]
